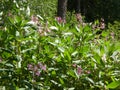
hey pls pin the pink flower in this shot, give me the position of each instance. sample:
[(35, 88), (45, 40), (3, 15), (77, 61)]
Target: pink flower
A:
[(43, 67), (60, 20), (34, 19), (35, 68), (30, 67), (79, 17), (39, 65), (74, 65), (88, 72), (79, 70), (102, 23), (37, 73)]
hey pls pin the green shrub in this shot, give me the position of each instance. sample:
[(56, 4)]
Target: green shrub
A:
[(40, 55)]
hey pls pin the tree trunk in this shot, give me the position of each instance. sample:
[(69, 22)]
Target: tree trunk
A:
[(62, 8), (77, 6), (71, 5)]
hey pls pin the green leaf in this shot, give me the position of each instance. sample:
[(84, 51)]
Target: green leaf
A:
[(61, 81), (54, 82), (76, 27), (86, 29), (97, 58), (9, 65), (104, 33), (61, 49), (71, 73), (113, 85), (53, 73), (90, 80), (67, 55)]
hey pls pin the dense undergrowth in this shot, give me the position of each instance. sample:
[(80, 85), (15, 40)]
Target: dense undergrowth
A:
[(39, 53)]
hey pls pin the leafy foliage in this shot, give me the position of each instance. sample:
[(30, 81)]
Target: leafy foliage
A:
[(44, 55), (46, 8)]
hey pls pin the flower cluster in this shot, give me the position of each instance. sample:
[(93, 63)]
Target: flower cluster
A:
[(60, 20), (35, 19), (100, 25), (79, 70), (43, 30), (79, 18), (36, 69)]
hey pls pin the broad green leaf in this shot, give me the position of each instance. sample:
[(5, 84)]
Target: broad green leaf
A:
[(104, 33), (113, 85), (61, 81), (76, 27), (53, 73), (86, 28), (67, 55), (71, 73), (61, 49)]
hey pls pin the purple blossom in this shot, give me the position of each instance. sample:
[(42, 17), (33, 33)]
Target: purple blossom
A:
[(60, 20), (30, 67), (79, 18), (34, 19), (74, 65), (102, 25), (37, 73), (39, 65), (79, 70), (88, 72), (35, 68), (43, 67)]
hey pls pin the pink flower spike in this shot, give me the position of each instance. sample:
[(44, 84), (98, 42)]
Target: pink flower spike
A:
[(30, 67), (88, 72), (43, 67), (35, 19), (35, 68), (39, 65), (37, 73), (74, 65), (60, 20), (79, 70)]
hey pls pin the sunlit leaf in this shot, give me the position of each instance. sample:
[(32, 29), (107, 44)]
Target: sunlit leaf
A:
[(113, 85), (71, 73), (61, 81)]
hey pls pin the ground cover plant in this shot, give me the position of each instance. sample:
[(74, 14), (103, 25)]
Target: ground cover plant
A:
[(38, 52)]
